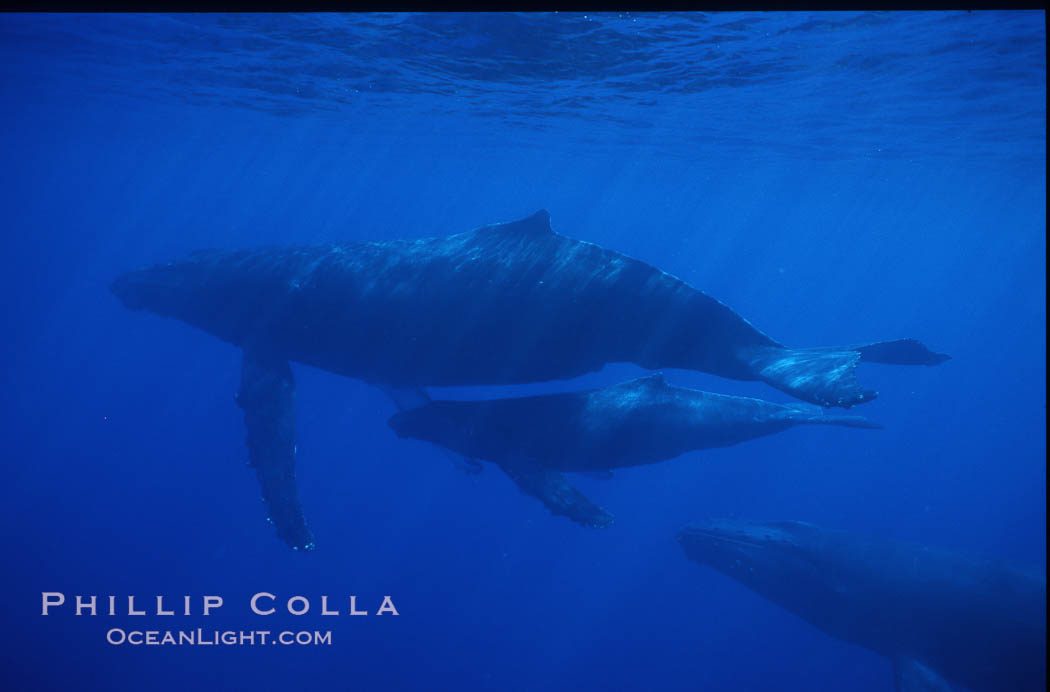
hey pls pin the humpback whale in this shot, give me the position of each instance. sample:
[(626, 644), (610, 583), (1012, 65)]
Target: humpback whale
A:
[(939, 617), (642, 421), (502, 304)]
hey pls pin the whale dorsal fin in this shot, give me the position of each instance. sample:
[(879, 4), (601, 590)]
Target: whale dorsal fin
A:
[(538, 223), (654, 381)]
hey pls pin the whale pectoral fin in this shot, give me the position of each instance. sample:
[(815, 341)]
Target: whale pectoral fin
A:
[(900, 352), (910, 675), (819, 376), (560, 497), (601, 475), (267, 395)]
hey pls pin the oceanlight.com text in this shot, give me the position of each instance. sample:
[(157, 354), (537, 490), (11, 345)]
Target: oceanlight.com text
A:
[(202, 637)]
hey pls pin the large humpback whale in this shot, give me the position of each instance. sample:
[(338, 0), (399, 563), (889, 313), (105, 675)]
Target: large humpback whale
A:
[(507, 303), (642, 421), (938, 616)]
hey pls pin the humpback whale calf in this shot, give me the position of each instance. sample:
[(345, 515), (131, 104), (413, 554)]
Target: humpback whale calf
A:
[(502, 304), (940, 617), (642, 421)]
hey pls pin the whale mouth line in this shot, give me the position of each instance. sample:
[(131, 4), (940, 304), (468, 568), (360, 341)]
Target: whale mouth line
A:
[(713, 536)]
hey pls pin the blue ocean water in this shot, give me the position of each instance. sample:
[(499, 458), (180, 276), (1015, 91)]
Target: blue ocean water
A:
[(833, 177)]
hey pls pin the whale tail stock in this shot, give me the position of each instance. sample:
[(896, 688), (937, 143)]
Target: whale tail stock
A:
[(825, 376)]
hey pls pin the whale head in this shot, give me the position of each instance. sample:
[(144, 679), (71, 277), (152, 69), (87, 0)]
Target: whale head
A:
[(445, 423), (198, 290), (157, 289), (794, 564)]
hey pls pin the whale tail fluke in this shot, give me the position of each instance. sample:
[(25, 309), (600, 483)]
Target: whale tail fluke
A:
[(820, 376), (900, 352), (825, 376)]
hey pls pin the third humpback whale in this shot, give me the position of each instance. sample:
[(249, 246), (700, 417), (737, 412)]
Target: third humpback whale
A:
[(505, 303), (940, 617)]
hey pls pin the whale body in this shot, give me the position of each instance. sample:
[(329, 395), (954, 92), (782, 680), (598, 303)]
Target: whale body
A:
[(940, 617), (503, 304), (643, 421)]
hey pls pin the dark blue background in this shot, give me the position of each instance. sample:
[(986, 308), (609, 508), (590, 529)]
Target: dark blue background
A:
[(834, 179)]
